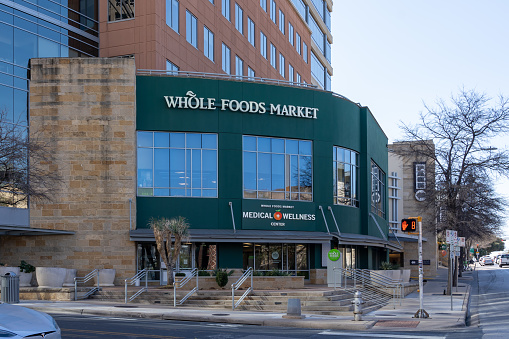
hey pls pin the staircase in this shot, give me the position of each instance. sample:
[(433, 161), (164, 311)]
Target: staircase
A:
[(312, 301)]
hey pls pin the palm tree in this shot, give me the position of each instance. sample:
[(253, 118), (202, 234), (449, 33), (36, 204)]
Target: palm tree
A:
[(172, 232)]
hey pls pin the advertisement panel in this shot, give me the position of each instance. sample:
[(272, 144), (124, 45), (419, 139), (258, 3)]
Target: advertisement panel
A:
[(278, 215)]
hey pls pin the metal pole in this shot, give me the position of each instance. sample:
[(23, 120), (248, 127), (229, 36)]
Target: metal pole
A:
[(421, 295), (451, 260), (174, 293), (125, 292), (75, 289)]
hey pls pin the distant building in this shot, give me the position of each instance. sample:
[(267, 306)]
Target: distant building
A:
[(410, 179)]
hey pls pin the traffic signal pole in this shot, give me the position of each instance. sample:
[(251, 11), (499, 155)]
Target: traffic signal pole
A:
[(421, 313)]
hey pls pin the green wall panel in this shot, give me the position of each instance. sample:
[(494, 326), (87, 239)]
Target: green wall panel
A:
[(339, 122), (229, 255)]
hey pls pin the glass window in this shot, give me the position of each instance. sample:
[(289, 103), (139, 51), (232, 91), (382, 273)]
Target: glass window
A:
[(251, 31), (250, 73), (273, 10), (320, 7), (290, 73), (301, 8), (225, 9), (297, 42), (281, 65), (281, 21), (226, 59), (298, 79), (120, 10), (171, 67), (172, 14), (208, 43), (377, 190), (263, 5), (317, 70), (279, 169), (239, 66), (177, 164), (191, 29), (290, 33), (273, 61), (239, 18), (317, 34), (263, 45), (305, 52), (345, 173)]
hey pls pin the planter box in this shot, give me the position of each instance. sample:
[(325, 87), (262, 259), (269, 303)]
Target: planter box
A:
[(48, 277), (25, 279), (70, 274)]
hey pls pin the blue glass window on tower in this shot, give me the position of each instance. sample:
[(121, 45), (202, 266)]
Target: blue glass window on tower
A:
[(263, 45), (305, 52), (226, 61), (172, 14), (281, 65), (273, 61), (208, 43), (171, 68), (345, 173), (290, 33), (225, 9), (177, 164), (239, 66), (317, 70), (239, 18), (120, 10), (276, 168), (317, 34), (251, 31), (377, 190), (250, 73), (191, 29), (290, 73), (282, 21), (273, 11), (263, 5)]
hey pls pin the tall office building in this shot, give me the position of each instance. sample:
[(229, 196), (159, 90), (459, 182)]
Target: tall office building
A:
[(287, 40)]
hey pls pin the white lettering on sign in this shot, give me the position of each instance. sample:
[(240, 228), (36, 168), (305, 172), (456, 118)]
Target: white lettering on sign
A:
[(191, 101), (278, 216)]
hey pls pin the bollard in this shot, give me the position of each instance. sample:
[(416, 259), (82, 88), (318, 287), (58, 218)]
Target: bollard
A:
[(293, 309), (357, 306)]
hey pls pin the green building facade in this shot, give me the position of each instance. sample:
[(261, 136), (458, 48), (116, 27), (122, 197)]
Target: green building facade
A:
[(267, 176)]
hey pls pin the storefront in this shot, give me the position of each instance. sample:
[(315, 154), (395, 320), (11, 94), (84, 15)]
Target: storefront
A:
[(269, 177)]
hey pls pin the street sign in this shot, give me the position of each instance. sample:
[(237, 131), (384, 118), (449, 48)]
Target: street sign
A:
[(472, 250), (443, 246), (408, 225), (334, 254), (461, 241), (450, 236)]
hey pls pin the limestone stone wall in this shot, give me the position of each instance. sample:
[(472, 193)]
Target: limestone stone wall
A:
[(84, 108)]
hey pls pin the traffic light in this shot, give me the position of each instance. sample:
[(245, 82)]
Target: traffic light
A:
[(408, 225)]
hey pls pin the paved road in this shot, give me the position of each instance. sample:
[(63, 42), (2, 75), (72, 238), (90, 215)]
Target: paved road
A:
[(77, 326), (490, 302)]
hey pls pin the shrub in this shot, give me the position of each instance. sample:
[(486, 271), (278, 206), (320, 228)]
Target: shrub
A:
[(203, 274), (222, 276), (26, 267), (385, 265)]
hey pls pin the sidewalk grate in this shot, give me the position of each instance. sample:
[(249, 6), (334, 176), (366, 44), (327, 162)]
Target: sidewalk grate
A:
[(396, 323)]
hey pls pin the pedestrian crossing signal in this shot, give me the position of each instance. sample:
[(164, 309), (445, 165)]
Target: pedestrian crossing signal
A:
[(408, 225)]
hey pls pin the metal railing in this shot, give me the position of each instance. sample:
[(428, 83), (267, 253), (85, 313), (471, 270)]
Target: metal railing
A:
[(377, 289), (238, 283), (223, 76), (179, 284), (82, 280), (143, 274)]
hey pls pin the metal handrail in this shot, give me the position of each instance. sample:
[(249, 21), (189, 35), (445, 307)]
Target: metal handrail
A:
[(181, 283), (137, 277), (373, 285), (223, 76), (238, 283), (83, 280)]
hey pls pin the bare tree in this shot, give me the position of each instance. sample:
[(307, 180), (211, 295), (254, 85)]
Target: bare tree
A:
[(465, 160), (169, 234), (24, 160)]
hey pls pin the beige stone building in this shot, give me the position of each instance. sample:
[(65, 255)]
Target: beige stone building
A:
[(409, 179)]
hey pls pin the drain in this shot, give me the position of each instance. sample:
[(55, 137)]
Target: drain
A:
[(220, 314), (386, 315), (126, 306)]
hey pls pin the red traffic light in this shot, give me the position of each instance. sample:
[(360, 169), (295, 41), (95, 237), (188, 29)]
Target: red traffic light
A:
[(408, 225)]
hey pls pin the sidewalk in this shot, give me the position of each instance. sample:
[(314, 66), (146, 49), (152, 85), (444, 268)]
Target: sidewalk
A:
[(435, 303)]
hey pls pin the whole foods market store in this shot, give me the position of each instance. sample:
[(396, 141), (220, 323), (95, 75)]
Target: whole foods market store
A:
[(249, 166)]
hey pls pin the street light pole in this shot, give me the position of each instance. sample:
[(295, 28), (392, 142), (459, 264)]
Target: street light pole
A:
[(421, 313)]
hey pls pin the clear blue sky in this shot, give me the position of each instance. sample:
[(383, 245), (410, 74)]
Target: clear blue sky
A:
[(393, 55)]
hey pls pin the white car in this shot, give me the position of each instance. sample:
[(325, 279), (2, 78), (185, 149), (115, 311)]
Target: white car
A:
[(21, 322), (503, 260)]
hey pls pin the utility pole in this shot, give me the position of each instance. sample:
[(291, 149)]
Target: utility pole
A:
[(421, 313)]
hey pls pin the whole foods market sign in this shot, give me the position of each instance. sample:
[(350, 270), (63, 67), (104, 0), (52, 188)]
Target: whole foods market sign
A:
[(256, 215), (192, 101)]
